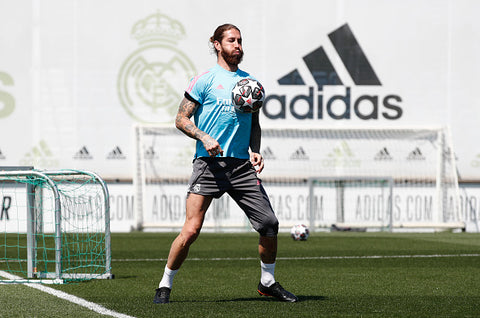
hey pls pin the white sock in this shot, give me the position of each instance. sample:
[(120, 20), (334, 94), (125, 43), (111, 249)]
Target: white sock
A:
[(167, 279), (268, 274)]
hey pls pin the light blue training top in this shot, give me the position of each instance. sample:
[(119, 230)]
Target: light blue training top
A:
[(216, 114)]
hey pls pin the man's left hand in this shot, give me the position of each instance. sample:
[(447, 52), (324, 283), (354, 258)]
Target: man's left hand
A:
[(257, 161)]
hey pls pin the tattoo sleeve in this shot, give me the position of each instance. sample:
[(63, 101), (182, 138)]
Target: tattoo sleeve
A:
[(256, 134), (183, 122)]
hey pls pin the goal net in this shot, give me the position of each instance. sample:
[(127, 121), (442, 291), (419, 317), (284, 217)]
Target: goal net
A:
[(54, 226), (329, 178)]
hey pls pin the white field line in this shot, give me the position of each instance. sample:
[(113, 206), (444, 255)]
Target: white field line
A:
[(71, 298), (299, 258)]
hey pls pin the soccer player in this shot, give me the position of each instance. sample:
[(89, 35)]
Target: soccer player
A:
[(223, 162)]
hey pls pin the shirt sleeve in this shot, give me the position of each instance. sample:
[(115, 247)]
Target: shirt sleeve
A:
[(196, 88), (190, 98)]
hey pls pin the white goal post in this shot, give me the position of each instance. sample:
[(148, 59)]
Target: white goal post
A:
[(55, 226), (387, 178)]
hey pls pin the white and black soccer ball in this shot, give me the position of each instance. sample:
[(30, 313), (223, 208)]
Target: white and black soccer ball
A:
[(299, 232), (248, 95)]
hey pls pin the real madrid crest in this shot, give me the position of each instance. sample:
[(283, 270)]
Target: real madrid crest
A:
[(152, 79)]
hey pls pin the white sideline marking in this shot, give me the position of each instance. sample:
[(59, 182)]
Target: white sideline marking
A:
[(71, 298), (298, 258)]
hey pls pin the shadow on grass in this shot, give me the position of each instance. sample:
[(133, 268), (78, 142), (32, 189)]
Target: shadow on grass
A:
[(255, 299)]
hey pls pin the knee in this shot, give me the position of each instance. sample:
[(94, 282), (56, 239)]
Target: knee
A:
[(189, 235), (269, 226)]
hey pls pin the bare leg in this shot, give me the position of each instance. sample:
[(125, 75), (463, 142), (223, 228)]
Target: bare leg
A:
[(197, 205), (267, 248)]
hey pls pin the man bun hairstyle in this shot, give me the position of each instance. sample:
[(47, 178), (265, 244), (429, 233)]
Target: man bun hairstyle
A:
[(218, 34)]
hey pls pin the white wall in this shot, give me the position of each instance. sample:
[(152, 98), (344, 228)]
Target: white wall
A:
[(68, 96)]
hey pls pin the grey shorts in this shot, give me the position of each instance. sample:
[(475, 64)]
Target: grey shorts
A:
[(237, 177)]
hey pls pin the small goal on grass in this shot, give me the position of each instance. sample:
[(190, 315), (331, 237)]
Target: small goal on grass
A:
[(54, 226)]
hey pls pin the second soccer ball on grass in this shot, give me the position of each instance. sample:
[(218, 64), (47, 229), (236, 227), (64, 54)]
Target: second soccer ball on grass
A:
[(299, 232)]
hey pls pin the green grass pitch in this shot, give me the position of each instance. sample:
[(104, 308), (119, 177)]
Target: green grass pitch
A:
[(333, 274)]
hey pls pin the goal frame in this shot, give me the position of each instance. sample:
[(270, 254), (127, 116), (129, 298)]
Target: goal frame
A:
[(32, 212), (436, 174), (340, 199)]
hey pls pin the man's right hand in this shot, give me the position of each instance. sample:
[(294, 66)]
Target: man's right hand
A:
[(212, 146)]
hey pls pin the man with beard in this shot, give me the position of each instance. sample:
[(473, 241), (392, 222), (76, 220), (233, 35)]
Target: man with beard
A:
[(223, 163)]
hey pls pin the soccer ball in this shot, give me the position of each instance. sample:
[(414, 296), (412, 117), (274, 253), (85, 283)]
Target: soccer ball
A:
[(248, 95), (299, 232)]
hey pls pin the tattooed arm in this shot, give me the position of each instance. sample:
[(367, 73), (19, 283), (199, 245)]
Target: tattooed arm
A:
[(255, 141), (185, 111)]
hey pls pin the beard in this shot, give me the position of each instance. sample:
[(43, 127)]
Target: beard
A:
[(231, 58)]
